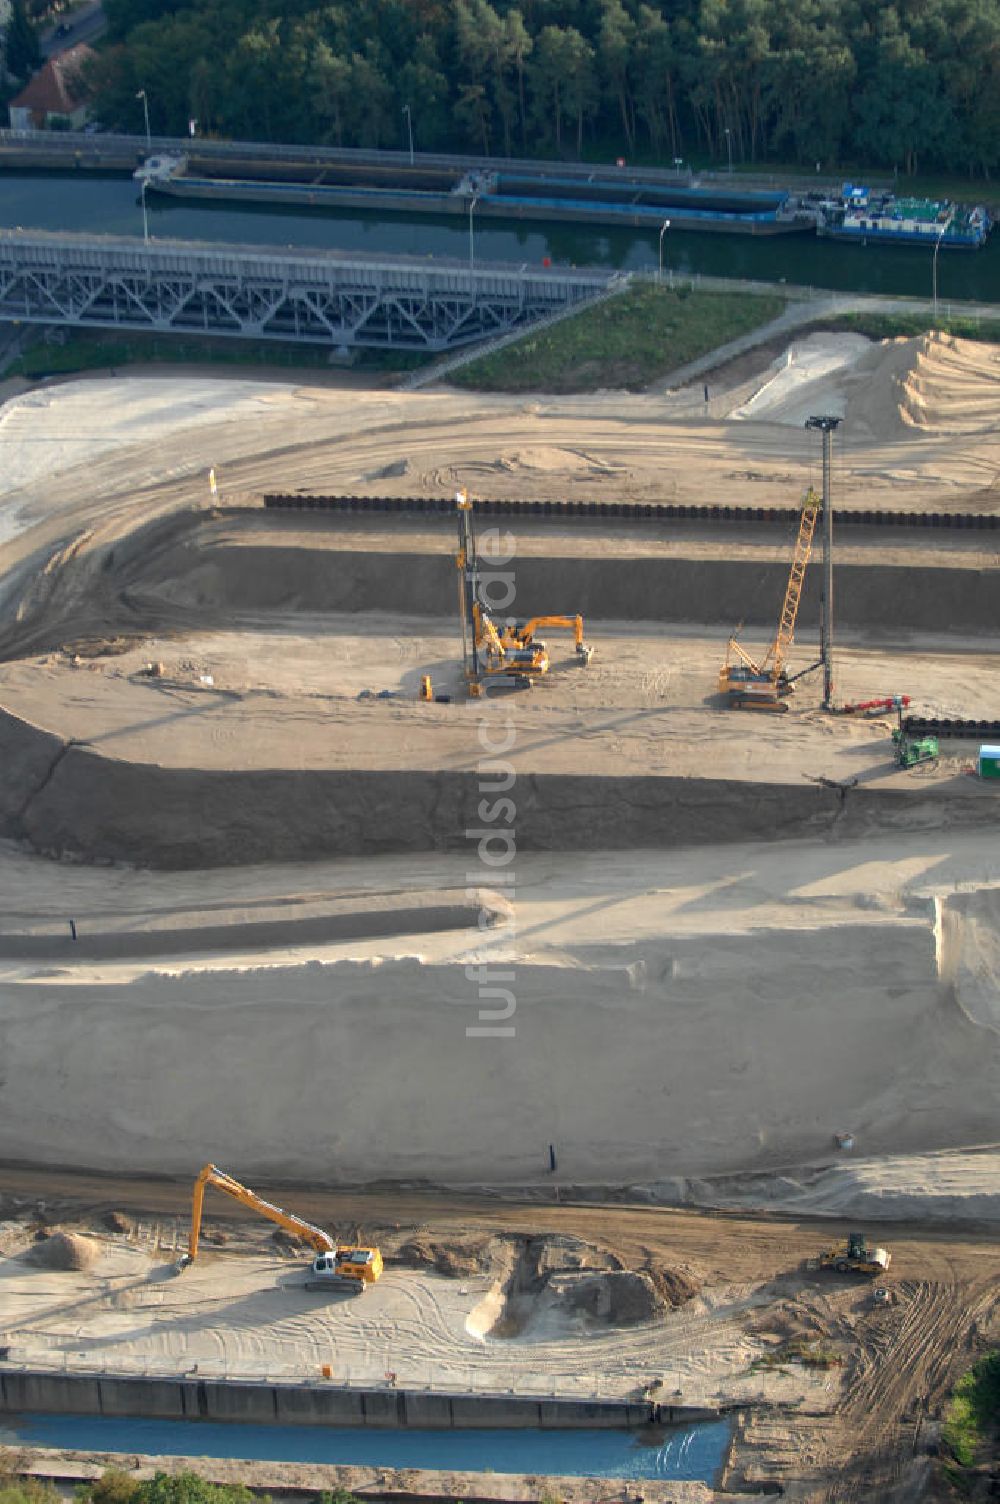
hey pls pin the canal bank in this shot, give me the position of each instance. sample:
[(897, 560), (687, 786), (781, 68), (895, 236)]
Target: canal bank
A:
[(66, 1469), (319, 1403)]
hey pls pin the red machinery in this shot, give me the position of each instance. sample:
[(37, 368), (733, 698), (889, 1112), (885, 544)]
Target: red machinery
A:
[(872, 707)]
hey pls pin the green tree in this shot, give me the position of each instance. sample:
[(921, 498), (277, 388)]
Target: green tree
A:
[(519, 45), (424, 87), (472, 112), (615, 57), (329, 80), (562, 82), (902, 111), (654, 69), (23, 54), (188, 1488), (581, 81), (372, 113)]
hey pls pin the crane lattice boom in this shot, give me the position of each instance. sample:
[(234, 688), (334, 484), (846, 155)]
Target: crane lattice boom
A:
[(793, 593)]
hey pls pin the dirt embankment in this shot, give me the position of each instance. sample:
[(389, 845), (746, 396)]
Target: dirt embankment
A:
[(193, 571), (72, 801)]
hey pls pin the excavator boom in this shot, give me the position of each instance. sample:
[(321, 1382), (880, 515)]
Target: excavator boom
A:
[(353, 1266), (572, 624), (212, 1175), (522, 635)]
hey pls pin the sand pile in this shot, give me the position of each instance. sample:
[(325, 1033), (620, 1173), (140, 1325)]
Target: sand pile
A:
[(621, 1297), (63, 1250), (877, 393), (809, 377), (455, 1259), (551, 460), (933, 382), (558, 1285), (952, 386)]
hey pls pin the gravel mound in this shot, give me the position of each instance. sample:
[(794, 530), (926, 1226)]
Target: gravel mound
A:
[(456, 1260), (63, 1250)]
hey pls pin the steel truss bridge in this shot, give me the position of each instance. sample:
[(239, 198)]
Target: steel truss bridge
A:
[(323, 298)]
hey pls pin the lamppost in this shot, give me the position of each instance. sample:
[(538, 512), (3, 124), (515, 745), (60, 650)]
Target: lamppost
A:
[(145, 110), (826, 427), (472, 249), (145, 216), (663, 230), (937, 247), (409, 127), (729, 147)]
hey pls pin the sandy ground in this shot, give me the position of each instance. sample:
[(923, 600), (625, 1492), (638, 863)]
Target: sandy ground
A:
[(855, 1429), (647, 702), (247, 1316), (695, 1023), (731, 1060)]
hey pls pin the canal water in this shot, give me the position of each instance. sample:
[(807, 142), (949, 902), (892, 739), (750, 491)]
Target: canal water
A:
[(692, 1453), (110, 205)]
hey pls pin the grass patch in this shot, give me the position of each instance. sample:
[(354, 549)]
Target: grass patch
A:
[(115, 1486), (799, 1350), (973, 1414), (627, 341), (93, 350), (892, 325), (26, 1491)]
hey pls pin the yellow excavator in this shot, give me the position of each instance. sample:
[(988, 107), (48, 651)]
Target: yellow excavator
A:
[(749, 685), (522, 634), (490, 653), (346, 1265)]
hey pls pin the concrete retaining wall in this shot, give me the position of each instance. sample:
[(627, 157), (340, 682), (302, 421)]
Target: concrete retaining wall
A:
[(319, 1404)]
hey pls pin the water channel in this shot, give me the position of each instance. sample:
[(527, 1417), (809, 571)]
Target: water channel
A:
[(692, 1452), (110, 205)]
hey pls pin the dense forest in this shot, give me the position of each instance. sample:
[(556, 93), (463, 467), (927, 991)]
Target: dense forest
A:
[(912, 86)]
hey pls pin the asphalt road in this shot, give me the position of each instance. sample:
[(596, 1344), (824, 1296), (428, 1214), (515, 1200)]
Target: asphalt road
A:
[(83, 26)]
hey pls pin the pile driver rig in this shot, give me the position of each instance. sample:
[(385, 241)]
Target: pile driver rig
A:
[(490, 653)]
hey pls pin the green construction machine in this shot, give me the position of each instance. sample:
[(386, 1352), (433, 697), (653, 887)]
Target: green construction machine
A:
[(856, 1256), (910, 749)]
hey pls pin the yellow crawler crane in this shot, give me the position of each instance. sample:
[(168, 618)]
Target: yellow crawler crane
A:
[(345, 1265), (750, 685)]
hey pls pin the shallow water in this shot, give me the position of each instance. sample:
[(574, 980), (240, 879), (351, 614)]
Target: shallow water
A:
[(692, 1452)]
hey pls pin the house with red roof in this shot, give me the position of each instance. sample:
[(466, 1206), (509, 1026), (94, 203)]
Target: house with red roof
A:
[(57, 95)]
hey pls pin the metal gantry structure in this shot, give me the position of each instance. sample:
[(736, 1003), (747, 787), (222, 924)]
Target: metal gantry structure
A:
[(315, 297)]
